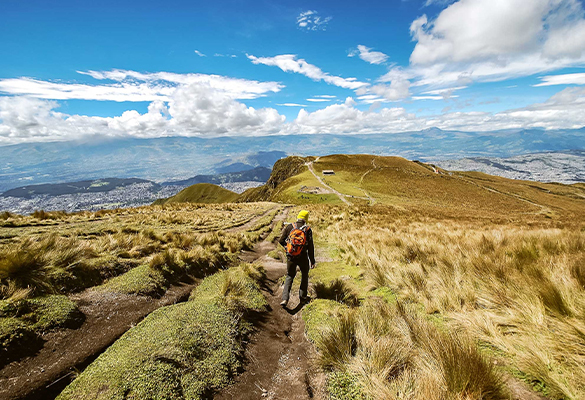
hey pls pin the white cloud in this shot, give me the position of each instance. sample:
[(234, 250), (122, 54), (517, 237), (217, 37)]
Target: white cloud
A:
[(318, 100), (292, 105), (200, 110), (290, 63), (192, 110), (225, 55), (372, 57), (200, 54), (445, 90), (428, 98), (564, 79), (562, 111), (135, 86), (398, 89), (326, 96), (371, 99), (492, 40), (65, 91), (311, 21)]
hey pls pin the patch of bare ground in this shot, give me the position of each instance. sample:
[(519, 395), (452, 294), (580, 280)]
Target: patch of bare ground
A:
[(44, 372), (277, 360), (107, 316)]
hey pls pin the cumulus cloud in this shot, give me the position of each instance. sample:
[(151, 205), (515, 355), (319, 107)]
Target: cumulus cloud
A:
[(192, 110), (366, 54), (290, 63), (135, 86), (490, 40), (562, 111), (397, 89), (200, 110), (311, 21)]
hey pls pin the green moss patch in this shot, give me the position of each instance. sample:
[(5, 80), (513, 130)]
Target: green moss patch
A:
[(23, 321), (384, 293), (14, 331), (329, 271), (55, 311), (319, 314), (181, 351), (344, 386), (140, 280)]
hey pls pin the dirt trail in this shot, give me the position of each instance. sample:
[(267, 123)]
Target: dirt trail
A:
[(278, 357), (107, 317), (44, 374), (340, 195)]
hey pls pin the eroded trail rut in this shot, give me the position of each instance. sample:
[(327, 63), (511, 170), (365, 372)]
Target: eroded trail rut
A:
[(277, 360), (108, 316)]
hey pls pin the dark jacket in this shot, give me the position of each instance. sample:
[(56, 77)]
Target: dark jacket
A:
[(308, 249)]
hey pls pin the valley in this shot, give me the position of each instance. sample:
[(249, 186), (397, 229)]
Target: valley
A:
[(417, 266)]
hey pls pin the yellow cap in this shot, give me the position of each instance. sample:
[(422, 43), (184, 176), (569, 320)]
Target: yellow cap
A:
[(303, 215)]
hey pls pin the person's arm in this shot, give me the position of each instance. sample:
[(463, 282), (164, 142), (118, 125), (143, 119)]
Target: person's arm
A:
[(311, 249), (284, 235)]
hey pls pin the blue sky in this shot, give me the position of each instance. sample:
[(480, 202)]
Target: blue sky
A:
[(74, 69)]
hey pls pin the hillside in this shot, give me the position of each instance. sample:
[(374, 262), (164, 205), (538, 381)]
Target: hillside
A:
[(90, 186), (258, 174), (395, 181), (206, 193)]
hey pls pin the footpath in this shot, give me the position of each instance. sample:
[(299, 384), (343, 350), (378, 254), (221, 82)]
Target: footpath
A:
[(277, 360)]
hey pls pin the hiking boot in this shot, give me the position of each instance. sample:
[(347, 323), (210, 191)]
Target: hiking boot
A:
[(283, 303)]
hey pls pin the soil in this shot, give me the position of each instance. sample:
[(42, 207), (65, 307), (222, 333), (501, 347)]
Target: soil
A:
[(107, 316), (278, 358), (42, 373)]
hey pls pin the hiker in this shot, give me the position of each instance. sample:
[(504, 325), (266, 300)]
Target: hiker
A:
[(297, 239)]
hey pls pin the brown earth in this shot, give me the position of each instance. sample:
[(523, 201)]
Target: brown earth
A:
[(278, 357), (46, 372), (107, 317)]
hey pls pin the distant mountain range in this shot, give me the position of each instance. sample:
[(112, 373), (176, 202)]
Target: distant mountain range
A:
[(117, 192), (178, 158), (258, 174), (58, 189)]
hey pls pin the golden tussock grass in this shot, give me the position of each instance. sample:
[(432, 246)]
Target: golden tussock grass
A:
[(394, 353), (83, 249), (517, 291)]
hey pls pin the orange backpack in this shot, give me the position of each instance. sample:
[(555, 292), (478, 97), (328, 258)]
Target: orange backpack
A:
[(296, 241)]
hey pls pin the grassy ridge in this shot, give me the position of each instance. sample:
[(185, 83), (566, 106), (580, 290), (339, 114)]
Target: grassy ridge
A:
[(201, 193), (180, 351)]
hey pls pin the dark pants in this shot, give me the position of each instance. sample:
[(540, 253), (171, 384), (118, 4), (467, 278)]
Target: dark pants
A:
[(291, 271)]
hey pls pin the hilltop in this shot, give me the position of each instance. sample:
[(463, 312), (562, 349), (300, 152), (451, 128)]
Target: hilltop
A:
[(201, 193), (395, 181)]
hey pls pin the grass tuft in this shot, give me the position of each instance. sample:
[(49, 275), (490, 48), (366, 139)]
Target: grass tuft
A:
[(337, 290)]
